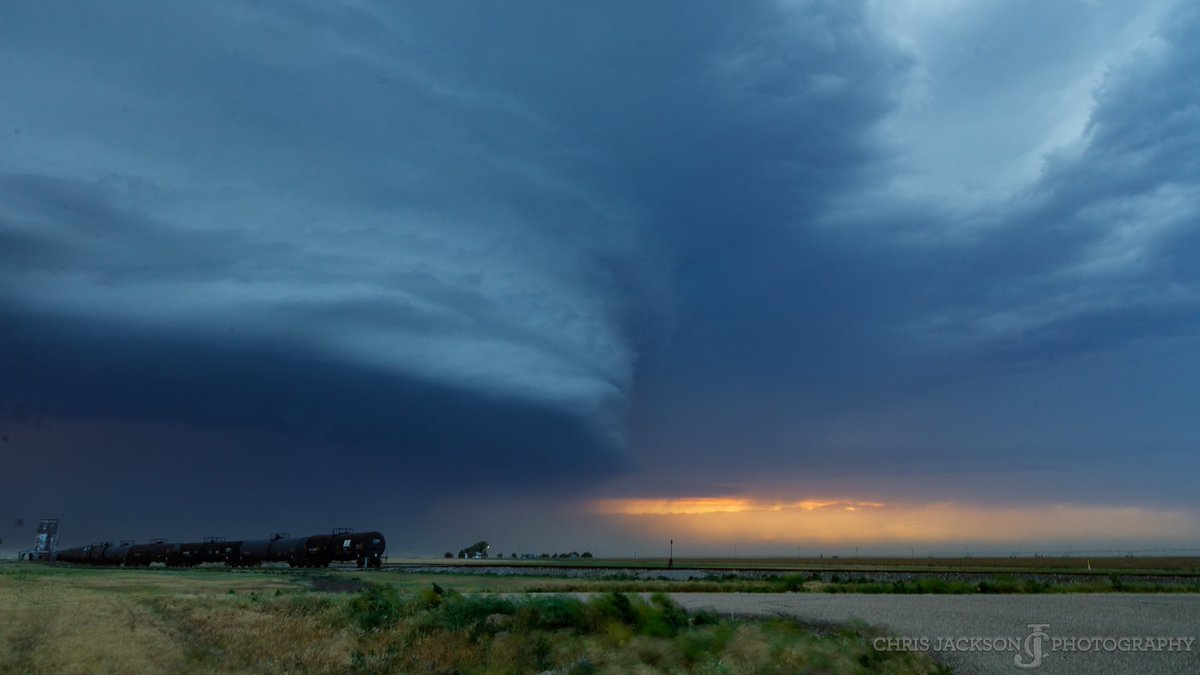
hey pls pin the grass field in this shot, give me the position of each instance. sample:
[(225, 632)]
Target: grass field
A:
[(98, 620), (866, 575), (476, 619), (1172, 565)]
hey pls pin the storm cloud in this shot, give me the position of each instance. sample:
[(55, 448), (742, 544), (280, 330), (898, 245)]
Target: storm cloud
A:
[(790, 250)]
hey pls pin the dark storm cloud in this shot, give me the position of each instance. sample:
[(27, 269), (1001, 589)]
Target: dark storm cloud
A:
[(352, 188), (232, 436), (822, 244), (1098, 250), (909, 335), (308, 252), (332, 167)]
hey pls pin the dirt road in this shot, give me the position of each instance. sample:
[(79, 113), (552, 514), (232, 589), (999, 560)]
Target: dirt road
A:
[(1048, 634)]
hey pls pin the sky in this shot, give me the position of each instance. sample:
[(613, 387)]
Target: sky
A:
[(776, 278)]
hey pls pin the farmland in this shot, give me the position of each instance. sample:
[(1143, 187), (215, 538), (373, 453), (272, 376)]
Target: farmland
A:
[(85, 620), (425, 616)]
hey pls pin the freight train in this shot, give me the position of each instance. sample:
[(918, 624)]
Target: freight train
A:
[(319, 550)]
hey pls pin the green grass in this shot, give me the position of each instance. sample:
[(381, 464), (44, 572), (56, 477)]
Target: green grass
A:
[(476, 582), (85, 620), (444, 631), (66, 619), (1171, 565), (157, 579)]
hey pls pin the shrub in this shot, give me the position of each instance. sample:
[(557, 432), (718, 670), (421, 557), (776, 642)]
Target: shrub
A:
[(1002, 584), (458, 611), (549, 613), (661, 617), (606, 609), (791, 583), (375, 608)]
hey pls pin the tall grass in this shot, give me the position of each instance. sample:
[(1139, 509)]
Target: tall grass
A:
[(109, 621), (800, 583), (445, 632)]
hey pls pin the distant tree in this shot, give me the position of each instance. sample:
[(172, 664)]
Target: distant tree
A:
[(479, 547), (514, 556), (585, 554), (449, 554)]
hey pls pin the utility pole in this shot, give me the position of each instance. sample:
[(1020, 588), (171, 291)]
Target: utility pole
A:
[(671, 555)]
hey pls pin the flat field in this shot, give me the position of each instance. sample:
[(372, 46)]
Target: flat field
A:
[(865, 575), (59, 619), (1158, 565), (494, 616)]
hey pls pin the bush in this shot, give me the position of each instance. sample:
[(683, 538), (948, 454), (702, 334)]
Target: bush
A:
[(609, 608), (791, 583), (549, 613), (660, 618), (1005, 584), (375, 608), (457, 611), (443, 631)]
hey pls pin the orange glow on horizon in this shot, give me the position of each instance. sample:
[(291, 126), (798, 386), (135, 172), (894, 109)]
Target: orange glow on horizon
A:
[(692, 506), (718, 519)]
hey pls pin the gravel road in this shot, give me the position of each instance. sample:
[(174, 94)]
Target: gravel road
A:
[(1131, 619)]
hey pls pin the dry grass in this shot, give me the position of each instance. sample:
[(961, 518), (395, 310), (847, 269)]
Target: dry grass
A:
[(43, 629), (117, 621), (1080, 563), (81, 620)]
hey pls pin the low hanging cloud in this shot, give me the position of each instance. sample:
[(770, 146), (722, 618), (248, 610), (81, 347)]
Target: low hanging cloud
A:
[(314, 180), (499, 217), (707, 247)]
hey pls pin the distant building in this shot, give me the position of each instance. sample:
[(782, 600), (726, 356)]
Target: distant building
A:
[(45, 543)]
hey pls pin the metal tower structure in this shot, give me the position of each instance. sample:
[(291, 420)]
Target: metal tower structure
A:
[(46, 542)]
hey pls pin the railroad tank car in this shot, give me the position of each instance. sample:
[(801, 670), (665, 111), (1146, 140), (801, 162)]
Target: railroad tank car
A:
[(138, 556), (115, 555), (82, 553), (228, 552), (193, 553), (369, 548), (364, 548), (163, 552), (291, 551), (216, 549), (211, 550), (343, 545), (70, 555), (255, 552), (96, 555)]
